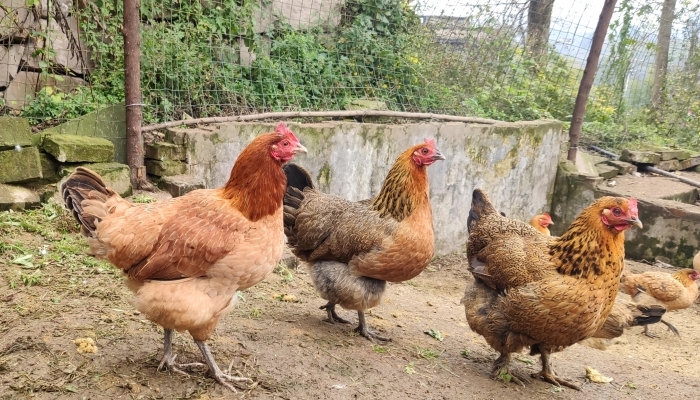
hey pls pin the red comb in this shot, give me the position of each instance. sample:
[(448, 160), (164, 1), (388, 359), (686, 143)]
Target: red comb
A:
[(632, 203), (430, 142), (282, 129)]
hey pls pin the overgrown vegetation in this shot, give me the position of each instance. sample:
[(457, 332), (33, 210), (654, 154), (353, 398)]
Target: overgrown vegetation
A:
[(192, 63)]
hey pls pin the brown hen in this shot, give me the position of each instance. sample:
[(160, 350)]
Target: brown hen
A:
[(353, 248), (185, 258), (674, 292), (542, 292), (541, 222)]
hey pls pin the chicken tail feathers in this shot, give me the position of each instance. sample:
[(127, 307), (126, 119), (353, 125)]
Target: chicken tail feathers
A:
[(481, 206), (297, 177), (650, 314), (83, 188)]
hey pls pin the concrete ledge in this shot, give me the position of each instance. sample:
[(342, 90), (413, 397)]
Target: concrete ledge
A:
[(515, 162)]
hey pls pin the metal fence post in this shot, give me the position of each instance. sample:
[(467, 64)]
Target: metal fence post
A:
[(588, 77), (132, 92)]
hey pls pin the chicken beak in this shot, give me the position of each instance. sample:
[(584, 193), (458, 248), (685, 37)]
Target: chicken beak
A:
[(438, 155), (636, 222), (299, 149)]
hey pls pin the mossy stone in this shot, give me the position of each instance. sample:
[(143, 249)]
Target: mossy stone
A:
[(19, 166), (73, 148), (14, 131)]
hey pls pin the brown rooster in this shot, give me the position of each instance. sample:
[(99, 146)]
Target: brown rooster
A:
[(541, 223), (546, 293), (674, 292), (185, 258), (353, 248)]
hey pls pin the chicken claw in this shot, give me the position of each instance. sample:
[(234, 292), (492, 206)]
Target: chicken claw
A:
[(364, 332), (649, 334), (671, 327), (549, 377), (332, 316), (220, 377), (169, 358), (500, 371)]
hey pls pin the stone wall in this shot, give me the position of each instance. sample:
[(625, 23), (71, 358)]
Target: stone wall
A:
[(34, 38), (515, 162)]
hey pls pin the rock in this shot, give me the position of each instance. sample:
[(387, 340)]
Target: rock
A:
[(117, 176), (360, 104), (14, 131), (165, 168), (670, 154), (165, 152), (108, 122), (669, 165), (19, 166), (21, 88), (9, 62), (49, 168), (179, 185), (607, 171), (17, 198), (585, 165), (684, 154), (176, 136), (690, 162), (15, 19), (299, 14), (43, 7), (77, 60), (641, 157), (73, 148), (622, 167)]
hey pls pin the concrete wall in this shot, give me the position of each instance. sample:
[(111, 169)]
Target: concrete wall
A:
[(515, 162), (671, 228)]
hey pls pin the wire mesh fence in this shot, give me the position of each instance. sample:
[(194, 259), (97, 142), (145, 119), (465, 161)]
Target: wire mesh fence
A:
[(507, 60)]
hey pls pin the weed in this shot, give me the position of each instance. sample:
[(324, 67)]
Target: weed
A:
[(142, 199), (465, 353), (504, 375), (435, 334), (380, 349), (526, 360), (428, 354), (284, 272), (254, 313), (32, 279), (410, 368)]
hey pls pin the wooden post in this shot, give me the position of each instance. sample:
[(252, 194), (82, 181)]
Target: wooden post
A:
[(589, 76), (132, 91)]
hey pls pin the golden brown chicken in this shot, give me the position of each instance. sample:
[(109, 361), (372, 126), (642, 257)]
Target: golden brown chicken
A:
[(185, 258), (674, 292), (353, 248), (542, 292), (541, 223)]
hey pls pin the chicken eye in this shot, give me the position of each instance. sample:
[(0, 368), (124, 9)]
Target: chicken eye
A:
[(617, 212), (424, 151), (285, 143)]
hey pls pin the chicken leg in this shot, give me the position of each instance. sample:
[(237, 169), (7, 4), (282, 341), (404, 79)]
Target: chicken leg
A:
[(668, 324), (547, 375), (169, 358), (220, 377), (365, 332), (332, 316), (501, 370)]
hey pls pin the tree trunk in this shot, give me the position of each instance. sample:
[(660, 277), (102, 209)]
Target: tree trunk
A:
[(539, 17), (663, 45), (588, 77)]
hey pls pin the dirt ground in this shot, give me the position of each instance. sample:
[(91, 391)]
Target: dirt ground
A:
[(52, 294)]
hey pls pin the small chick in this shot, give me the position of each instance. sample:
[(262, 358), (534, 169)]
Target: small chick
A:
[(541, 222)]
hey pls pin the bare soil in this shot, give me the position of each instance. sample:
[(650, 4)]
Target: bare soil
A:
[(47, 301)]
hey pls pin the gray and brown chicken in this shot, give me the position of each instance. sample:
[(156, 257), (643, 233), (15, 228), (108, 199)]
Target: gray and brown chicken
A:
[(354, 248)]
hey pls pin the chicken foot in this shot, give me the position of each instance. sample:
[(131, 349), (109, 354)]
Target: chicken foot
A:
[(500, 370), (365, 332), (668, 324), (332, 316), (547, 375), (220, 377), (169, 358)]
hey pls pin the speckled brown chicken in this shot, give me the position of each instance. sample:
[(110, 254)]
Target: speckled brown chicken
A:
[(353, 248), (185, 258), (542, 292), (541, 222), (674, 292)]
